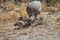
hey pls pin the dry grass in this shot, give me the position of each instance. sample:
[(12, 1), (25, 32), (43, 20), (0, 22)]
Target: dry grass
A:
[(16, 11), (12, 16), (10, 6), (23, 11)]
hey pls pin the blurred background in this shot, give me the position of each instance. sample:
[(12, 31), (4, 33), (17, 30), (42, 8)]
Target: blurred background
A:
[(11, 10)]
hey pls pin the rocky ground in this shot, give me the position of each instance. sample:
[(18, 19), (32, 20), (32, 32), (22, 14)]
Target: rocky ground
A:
[(49, 30)]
